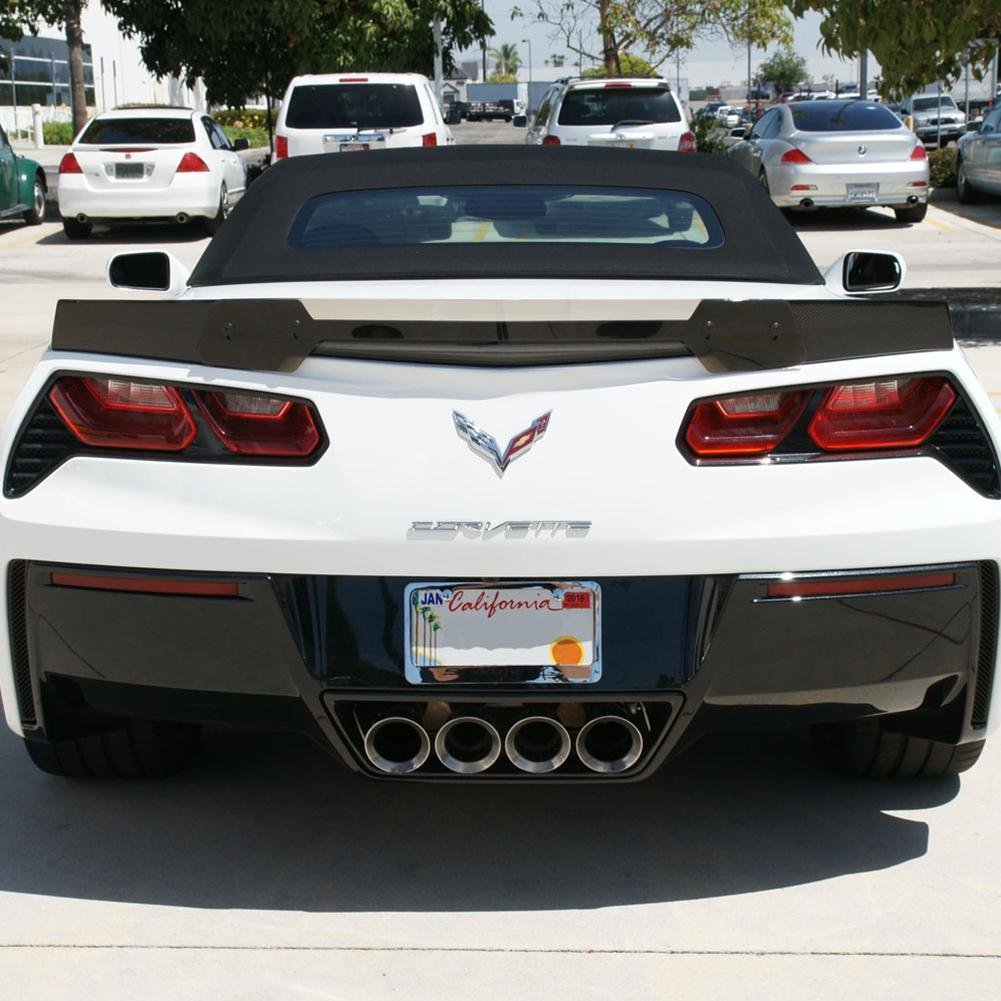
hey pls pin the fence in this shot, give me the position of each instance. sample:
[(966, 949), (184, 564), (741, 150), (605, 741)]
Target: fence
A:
[(40, 80)]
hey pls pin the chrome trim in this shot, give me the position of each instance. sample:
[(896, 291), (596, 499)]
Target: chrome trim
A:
[(398, 766), (609, 765), (456, 764), (533, 765), (485, 445)]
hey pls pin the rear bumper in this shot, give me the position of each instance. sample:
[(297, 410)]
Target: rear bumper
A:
[(187, 194), (827, 185), (324, 656)]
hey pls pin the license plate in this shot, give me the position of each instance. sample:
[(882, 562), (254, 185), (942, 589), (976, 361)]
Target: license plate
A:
[(353, 147), (539, 632), (862, 192), (129, 171)]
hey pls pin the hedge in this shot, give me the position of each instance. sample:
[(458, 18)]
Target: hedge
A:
[(255, 136), (942, 164), (57, 133), (251, 118)]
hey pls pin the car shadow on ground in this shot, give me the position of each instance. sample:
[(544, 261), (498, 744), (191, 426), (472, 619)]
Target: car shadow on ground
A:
[(844, 220), (266, 821), (129, 236)]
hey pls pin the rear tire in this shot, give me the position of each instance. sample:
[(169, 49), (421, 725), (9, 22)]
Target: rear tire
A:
[(964, 193), (863, 747), (77, 230), (914, 213), (212, 225), (139, 749), (35, 215)]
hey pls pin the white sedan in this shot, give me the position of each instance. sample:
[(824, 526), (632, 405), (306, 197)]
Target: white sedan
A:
[(149, 164)]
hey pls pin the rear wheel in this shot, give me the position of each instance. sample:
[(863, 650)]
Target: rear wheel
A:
[(966, 194), (76, 230), (763, 180), (863, 747), (36, 213), (212, 225), (137, 749), (913, 213)]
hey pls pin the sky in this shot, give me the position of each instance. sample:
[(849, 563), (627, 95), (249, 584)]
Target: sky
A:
[(711, 62)]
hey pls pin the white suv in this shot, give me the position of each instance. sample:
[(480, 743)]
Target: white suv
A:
[(347, 112), (638, 113)]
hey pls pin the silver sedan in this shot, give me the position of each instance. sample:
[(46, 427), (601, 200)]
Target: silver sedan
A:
[(832, 154)]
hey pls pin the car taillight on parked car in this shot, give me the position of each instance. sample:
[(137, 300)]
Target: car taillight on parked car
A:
[(551, 141), (281, 147), (794, 156), (864, 416), (192, 163), (116, 413), (429, 139), (687, 143), (69, 165), (918, 153)]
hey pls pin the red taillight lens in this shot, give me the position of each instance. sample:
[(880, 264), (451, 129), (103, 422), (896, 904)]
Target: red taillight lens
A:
[(249, 424), (687, 143), (795, 156), (69, 165), (881, 413), (832, 587), (116, 413), (146, 585), (429, 139), (919, 153), (192, 163), (281, 147), (746, 425), (551, 141)]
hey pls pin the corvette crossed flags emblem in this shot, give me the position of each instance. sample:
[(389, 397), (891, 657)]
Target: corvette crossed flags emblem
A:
[(486, 445)]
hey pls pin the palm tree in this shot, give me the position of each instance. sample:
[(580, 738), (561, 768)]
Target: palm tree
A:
[(507, 59)]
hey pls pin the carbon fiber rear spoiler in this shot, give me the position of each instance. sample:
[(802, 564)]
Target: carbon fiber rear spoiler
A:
[(275, 335)]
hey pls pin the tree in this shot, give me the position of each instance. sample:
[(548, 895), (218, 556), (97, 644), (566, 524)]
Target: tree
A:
[(915, 43), (242, 48), (657, 28), (18, 16), (556, 61), (507, 59), (784, 69), (502, 78), (629, 65)]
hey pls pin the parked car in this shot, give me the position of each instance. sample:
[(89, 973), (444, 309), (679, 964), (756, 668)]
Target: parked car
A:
[(151, 164), (628, 113), (826, 154), (356, 112), (978, 160), (22, 185), (935, 116), (489, 111), (698, 486)]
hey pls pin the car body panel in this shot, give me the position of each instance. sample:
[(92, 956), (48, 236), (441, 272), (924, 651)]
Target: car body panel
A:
[(981, 154), (18, 176)]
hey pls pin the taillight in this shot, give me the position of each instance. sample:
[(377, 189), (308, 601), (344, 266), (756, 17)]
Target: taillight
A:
[(429, 139), (281, 147), (192, 163), (918, 153), (687, 143), (881, 413), (69, 165), (249, 424), (116, 413), (795, 156), (745, 425), (551, 141)]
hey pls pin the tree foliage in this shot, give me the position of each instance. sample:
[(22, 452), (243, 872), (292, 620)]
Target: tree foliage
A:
[(246, 47), (604, 30), (506, 58), (629, 65), (915, 43), (785, 69)]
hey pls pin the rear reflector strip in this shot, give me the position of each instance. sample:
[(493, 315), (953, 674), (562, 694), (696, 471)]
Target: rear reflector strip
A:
[(833, 586), (147, 585)]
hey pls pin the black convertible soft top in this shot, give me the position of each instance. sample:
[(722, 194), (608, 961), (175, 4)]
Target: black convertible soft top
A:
[(254, 245)]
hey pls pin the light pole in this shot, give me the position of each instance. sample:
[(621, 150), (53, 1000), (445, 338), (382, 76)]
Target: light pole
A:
[(483, 47), (528, 42)]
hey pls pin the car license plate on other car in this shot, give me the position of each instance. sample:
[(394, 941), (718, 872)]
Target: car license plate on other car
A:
[(353, 147), (862, 192), (129, 171), (508, 631)]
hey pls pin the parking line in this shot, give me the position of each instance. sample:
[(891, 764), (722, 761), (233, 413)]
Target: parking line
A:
[(33, 238), (944, 226)]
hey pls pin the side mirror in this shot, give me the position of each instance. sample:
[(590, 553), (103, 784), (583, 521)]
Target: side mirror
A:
[(520, 121), (240, 145), (741, 133), (148, 271), (866, 271)]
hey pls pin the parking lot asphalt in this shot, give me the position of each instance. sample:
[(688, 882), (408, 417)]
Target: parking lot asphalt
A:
[(265, 871)]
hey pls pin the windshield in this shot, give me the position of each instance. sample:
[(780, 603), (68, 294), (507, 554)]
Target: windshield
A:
[(612, 104), (932, 103), (849, 116), (354, 105), (484, 214), (107, 131)]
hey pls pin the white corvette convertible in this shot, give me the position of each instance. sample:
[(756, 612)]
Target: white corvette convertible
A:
[(502, 465)]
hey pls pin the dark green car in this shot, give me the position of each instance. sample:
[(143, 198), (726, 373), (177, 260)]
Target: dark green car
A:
[(22, 185)]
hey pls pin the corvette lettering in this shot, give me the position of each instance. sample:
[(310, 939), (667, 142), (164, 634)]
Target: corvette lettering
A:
[(487, 529)]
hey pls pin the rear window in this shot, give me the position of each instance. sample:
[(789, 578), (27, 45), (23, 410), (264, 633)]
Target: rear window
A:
[(852, 116), (491, 214), (619, 105), (139, 130), (354, 105)]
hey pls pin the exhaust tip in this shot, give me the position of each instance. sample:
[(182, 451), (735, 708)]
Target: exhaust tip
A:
[(82, 219), (537, 744), (806, 203), (467, 745), (182, 218), (397, 745), (912, 199), (609, 744)]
